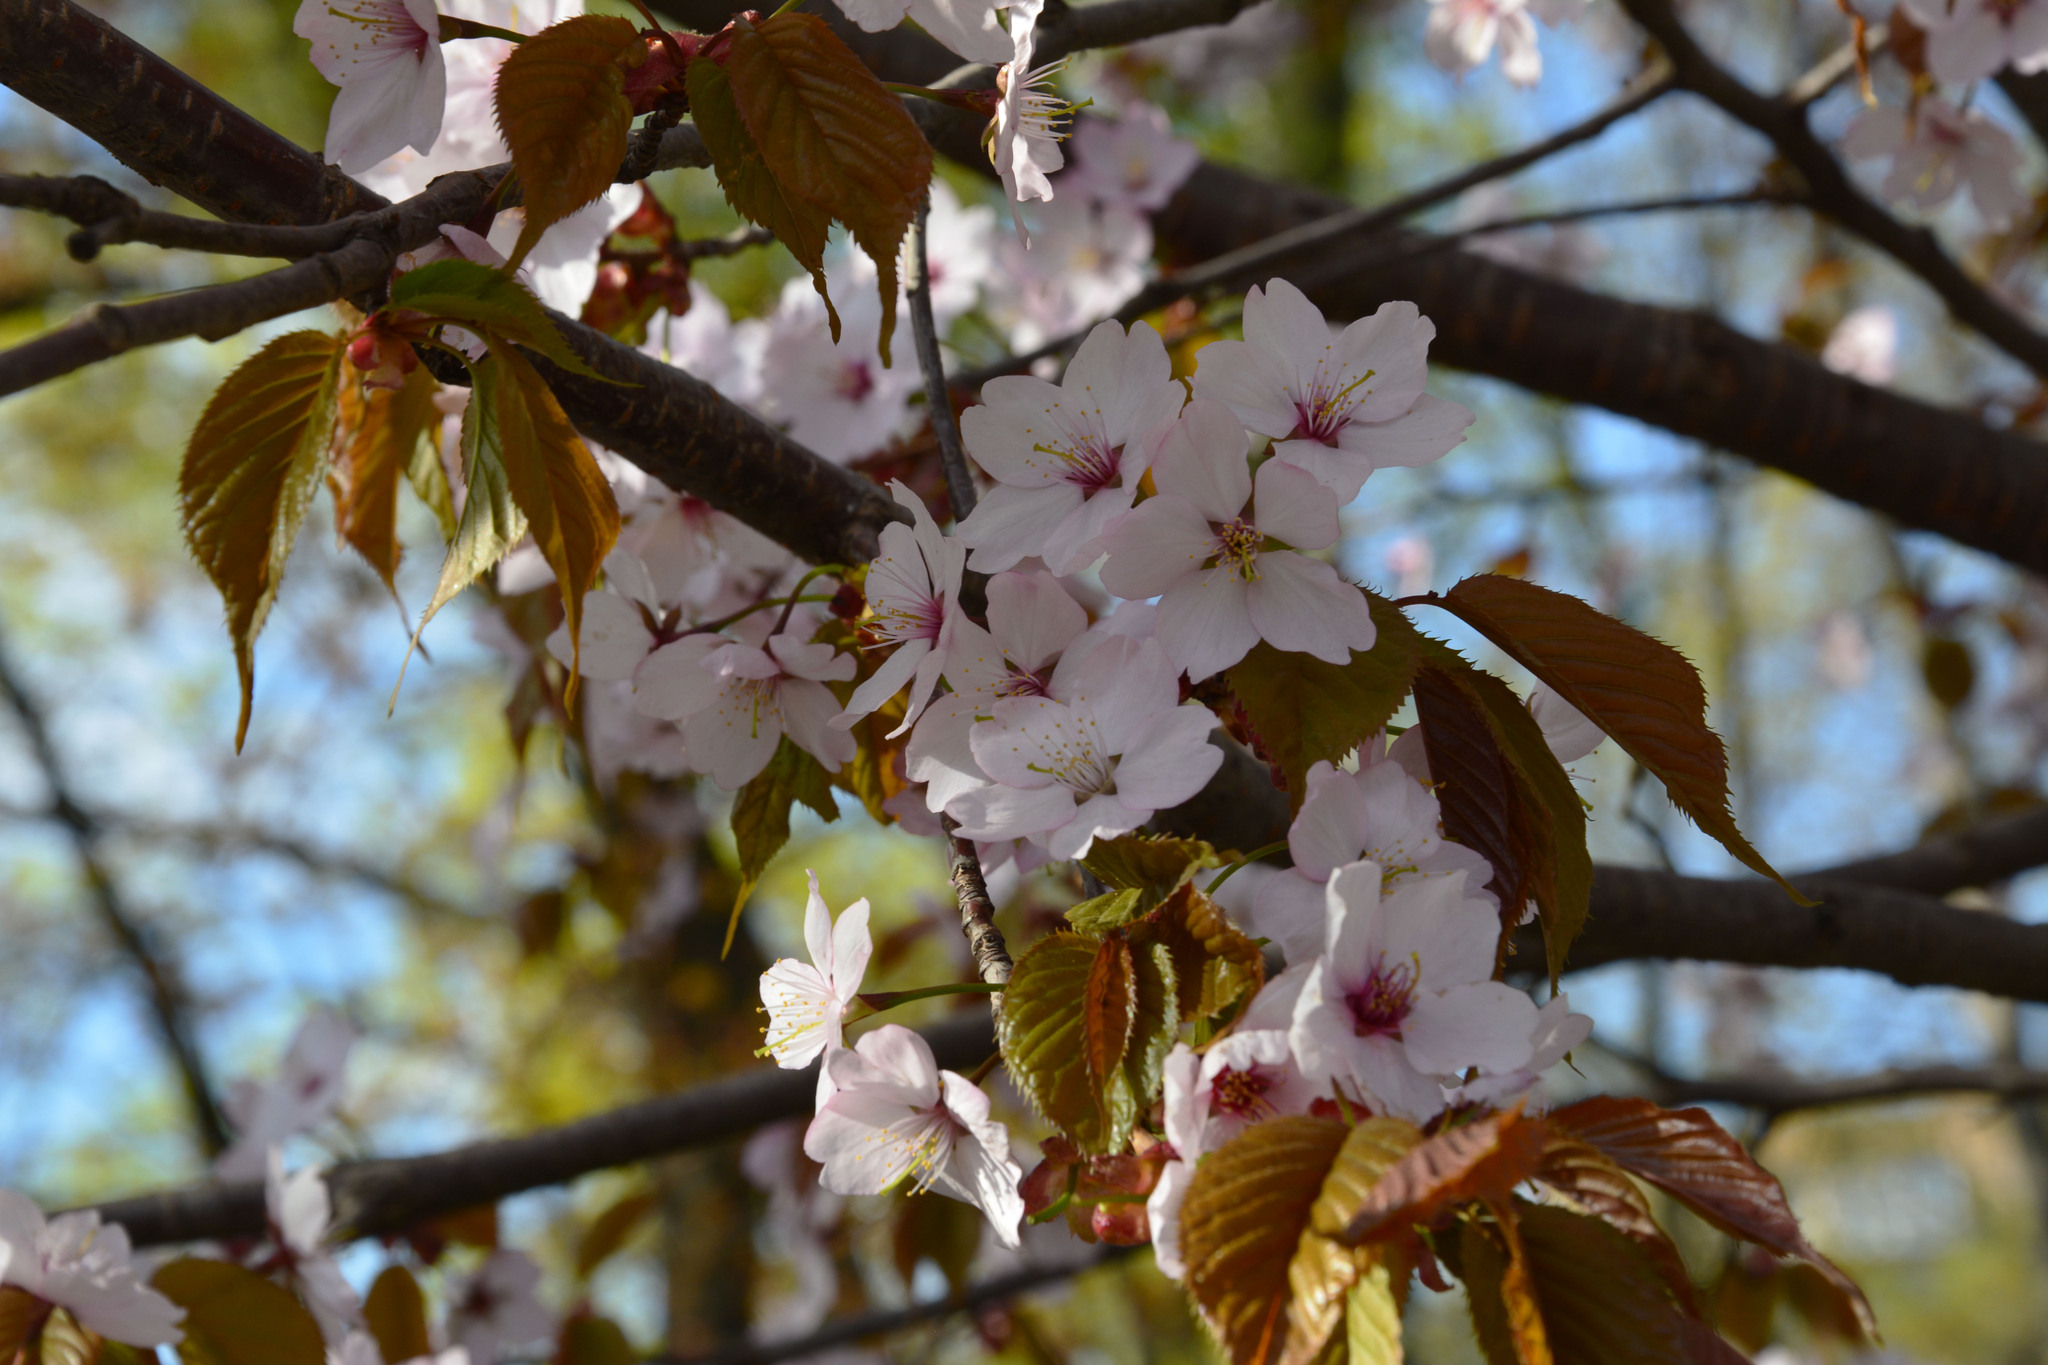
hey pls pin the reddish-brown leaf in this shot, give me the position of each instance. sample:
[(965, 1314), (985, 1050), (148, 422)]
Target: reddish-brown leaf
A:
[(1476, 790), (396, 1314), (1214, 964), (1697, 1162), (562, 108), (1043, 1031), (832, 134), (1521, 1307), (378, 440), (1642, 692), (1483, 1160), (1595, 1186), (1107, 1011)]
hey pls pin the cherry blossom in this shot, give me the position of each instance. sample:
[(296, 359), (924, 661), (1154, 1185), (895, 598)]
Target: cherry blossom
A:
[(1067, 457), (1084, 260), (1461, 34), (79, 1265), (1338, 405), (707, 343), (1937, 149), (1565, 729), (1557, 1032), (806, 1002), (1134, 160), (835, 397), (800, 1213), (959, 251), (493, 1313), (894, 1116), (358, 1347), (1403, 995), (913, 590), (1972, 39), (1217, 547), (1865, 345), (735, 701), (1382, 814), (386, 57), (298, 1211), (1026, 133), (306, 1091), (1100, 763), (968, 27)]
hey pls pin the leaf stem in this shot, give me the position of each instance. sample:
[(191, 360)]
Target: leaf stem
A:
[(782, 622), (878, 1002), (453, 28), (1227, 873)]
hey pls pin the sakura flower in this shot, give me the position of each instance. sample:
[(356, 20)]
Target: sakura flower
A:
[(298, 1211), (1031, 620), (807, 1001), (968, 27), (1977, 38), (1338, 405), (1382, 814), (1568, 733), (494, 1312), (360, 1348), (386, 57), (1065, 772), (894, 1116), (834, 396), (959, 251), (615, 634), (1403, 995), (1134, 160), (913, 590), (306, 1091), (1067, 457), (735, 701), (1085, 259), (1461, 34), (1557, 1032), (1865, 345), (800, 1212), (1217, 547), (1026, 141), (707, 343), (82, 1267), (1937, 149)]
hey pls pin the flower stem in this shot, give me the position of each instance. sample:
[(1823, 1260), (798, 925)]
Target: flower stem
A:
[(452, 28), (877, 1002), (1227, 873)]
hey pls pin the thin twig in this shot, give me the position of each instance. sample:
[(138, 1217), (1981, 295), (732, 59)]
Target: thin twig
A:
[(107, 215), (169, 1003), (731, 244)]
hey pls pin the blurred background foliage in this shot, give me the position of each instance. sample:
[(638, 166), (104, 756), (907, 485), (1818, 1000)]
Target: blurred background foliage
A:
[(521, 943)]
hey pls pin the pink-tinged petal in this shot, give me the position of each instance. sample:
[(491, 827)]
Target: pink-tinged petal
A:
[(615, 639), (866, 1142), (1162, 1216), (1169, 760), (1425, 432), (967, 27), (1300, 604), (1003, 812), (1005, 430), (808, 710), (1486, 1024), (672, 682), (733, 739), (1289, 911), (980, 1170), (1076, 543), (924, 684), (1012, 523), (904, 1058), (974, 661), (887, 680), (939, 745), (1098, 817), (1154, 545), (730, 661), (2027, 39), (1392, 347), (1341, 471), (1439, 925), (1354, 937), (1391, 1083), (1877, 132), (1565, 729), (1281, 321), (803, 1016), (1248, 379), (1033, 617), (818, 930), (1279, 1000), (1557, 1032), (1205, 624), (1025, 742), (1321, 1032), (1180, 1103), (1292, 506), (1329, 830), (819, 662), (371, 119), (874, 16), (1202, 459), (1969, 46), (1122, 682), (851, 948), (1520, 61)]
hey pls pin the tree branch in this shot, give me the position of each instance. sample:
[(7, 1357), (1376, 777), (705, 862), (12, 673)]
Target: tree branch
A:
[(106, 216), (170, 1006), (1776, 1095)]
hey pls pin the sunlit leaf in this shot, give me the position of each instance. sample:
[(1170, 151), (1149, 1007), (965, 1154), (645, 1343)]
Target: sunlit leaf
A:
[(1643, 693), (1306, 711), (236, 1317), (1372, 1317), (760, 815), (488, 302), (1055, 1009), (1483, 1160), (378, 443), (1214, 963), (251, 469), (1323, 1273), (1141, 871), (395, 1312), (562, 109), (1519, 1302)]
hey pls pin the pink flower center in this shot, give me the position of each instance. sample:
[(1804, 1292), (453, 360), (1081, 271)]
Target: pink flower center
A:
[(916, 619), (1022, 682), (1383, 1000), (1237, 545), (1242, 1094), (1323, 410), (856, 381), (1091, 463), (391, 25)]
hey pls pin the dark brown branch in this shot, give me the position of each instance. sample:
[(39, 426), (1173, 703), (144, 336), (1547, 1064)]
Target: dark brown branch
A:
[(106, 216), (169, 1003), (1830, 191), (1782, 1094), (852, 1331), (1984, 854)]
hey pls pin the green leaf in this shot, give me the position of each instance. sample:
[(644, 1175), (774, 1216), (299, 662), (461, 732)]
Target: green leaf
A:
[(760, 815), (489, 302), (1697, 1162), (1154, 867), (1103, 914), (1372, 1317), (750, 187), (395, 1312), (610, 1229), (1155, 1022), (236, 1317), (1214, 964), (562, 108), (1482, 1263), (556, 483), (588, 1339), (379, 441), (1241, 1223), (832, 134), (1043, 1033), (1643, 693), (251, 469), (1306, 711)]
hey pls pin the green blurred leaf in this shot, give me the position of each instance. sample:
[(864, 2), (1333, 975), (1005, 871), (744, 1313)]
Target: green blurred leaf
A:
[(587, 1339), (760, 815), (491, 520), (395, 1312), (562, 108), (236, 1317), (610, 1229), (489, 302)]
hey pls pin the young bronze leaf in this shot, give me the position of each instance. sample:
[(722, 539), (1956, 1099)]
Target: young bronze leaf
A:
[(760, 815), (553, 480), (1482, 1263), (396, 1314), (1602, 1301), (750, 187), (491, 520), (236, 1317), (1306, 711), (562, 108), (1107, 1011), (378, 440), (1155, 1023), (1697, 1162), (832, 134), (1246, 1209), (1642, 692), (486, 300), (251, 469), (1324, 1274), (1595, 1186), (1483, 1160), (1480, 799), (1214, 964), (21, 1318), (1043, 1032), (1141, 872)]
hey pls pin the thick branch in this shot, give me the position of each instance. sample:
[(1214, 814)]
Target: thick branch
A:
[(1984, 854), (170, 1006), (1781, 1094)]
